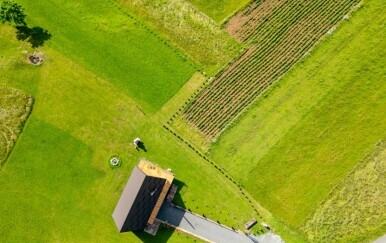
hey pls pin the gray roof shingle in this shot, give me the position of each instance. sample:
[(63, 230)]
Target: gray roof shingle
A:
[(137, 201)]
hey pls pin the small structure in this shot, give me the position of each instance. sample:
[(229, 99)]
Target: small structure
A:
[(142, 197), (114, 161), (36, 58), (153, 228), (172, 193), (250, 224), (265, 225)]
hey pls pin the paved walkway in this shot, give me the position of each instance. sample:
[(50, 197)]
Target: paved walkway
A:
[(203, 228), (381, 240)]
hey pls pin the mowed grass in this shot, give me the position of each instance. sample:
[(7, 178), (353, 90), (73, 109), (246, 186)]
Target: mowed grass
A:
[(220, 10), (48, 176), (15, 107), (114, 46), (306, 134), (59, 167), (54, 180), (356, 209)]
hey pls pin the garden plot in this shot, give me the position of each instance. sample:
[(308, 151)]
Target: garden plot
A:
[(280, 34)]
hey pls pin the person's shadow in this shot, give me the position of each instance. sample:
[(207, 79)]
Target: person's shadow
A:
[(141, 145)]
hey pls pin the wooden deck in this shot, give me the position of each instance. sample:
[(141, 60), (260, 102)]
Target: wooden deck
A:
[(172, 193), (153, 228)]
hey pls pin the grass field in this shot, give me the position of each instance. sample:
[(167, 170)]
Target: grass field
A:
[(109, 43), (108, 77), (356, 210), (57, 185), (52, 178), (15, 106), (316, 124), (220, 11), (196, 34), (279, 35), (57, 192)]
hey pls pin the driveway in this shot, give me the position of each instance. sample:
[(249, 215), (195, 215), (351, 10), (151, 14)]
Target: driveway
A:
[(381, 240), (203, 228)]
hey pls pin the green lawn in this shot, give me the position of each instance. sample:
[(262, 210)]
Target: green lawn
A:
[(52, 195), (114, 46), (49, 173), (57, 185), (306, 134), (220, 10)]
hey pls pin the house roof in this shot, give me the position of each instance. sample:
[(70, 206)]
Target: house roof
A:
[(152, 170), (142, 197)]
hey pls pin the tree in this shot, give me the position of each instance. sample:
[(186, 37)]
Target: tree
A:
[(12, 12)]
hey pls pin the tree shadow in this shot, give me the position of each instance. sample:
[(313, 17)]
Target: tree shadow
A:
[(36, 36)]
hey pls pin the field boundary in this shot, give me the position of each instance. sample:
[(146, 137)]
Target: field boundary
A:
[(190, 101), (203, 86), (217, 167), (29, 107), (226, 20), (239, 109), (377, 148), (192, 31), (259, 209), (163, 39)]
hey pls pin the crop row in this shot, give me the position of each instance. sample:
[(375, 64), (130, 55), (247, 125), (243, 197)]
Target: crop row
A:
[(253, 59), (282, 35), (251, 63), (263, 49), (227, 106)]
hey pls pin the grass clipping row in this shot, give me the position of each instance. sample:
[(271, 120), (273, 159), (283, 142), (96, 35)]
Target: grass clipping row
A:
[(356, 209), (194, 32), (15, 107)]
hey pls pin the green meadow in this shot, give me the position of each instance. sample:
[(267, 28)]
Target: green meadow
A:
[(305, 135), (109, 43), (100, 86), (115, 70)]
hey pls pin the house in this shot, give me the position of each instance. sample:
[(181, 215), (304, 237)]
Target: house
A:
[(142, 197)]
